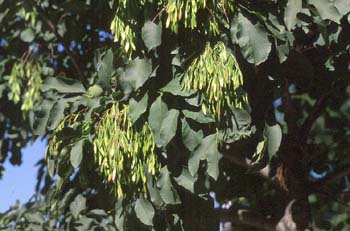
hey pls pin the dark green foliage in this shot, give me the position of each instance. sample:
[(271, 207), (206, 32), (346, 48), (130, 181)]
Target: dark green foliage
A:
[(275, 75)]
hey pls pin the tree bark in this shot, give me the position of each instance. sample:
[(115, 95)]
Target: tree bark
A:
[(292, 174), (293, 180)]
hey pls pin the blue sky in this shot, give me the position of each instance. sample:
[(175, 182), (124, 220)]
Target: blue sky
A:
[(18, 182)]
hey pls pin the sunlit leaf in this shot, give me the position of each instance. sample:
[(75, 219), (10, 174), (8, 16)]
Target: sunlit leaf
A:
[(76, 154), (137, 108), (27, 35), (78, 205), (151, 34), (144, 211), (252, 39), (62, 85), (135, 75), (167, 191)]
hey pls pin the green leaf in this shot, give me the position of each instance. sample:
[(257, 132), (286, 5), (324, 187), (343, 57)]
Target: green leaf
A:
[(174, 87), (105, 69), (167, 191), (282, 50), (91, 103), (97, 213), (77, 206), (238, 125), (208, 150), (51, 167), (135, 75), (34, 227), (157, 113), (343, 6), (257, 158), (213, 159), (41, 117), (290, 13), (190, 138), (84, 223), (198, 116), (252, 39), (144, 211), (326, 10), (137, 108), (94, 91), (168, 128), (152, 34), (194, 100), (27, 35), (76, 153), (186, 180), (62, 85), (34, 217), (57, 112), (119, 215), (273, 135), (153, 191)]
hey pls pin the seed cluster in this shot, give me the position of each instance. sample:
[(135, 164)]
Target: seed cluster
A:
[(187, 12), (217, 77), (28, 74), (184, 12), (123, 153), (123, 34)]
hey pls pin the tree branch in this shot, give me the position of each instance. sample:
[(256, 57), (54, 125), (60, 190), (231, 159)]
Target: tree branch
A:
[(335, 176), (264, 173), (319, 107), (289, 110), (60, 39)]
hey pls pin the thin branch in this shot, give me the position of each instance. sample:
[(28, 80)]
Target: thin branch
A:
[(289, 110), (264, 173), (155, 17), (334, 198), (335, 176), (60, 39), (319, 107)]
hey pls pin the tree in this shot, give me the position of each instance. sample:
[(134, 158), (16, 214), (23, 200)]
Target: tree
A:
[(150, 106)]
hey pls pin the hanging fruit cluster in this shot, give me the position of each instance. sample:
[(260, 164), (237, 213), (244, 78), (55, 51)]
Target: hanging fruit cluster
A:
[(217, 77), (25, 75), (184, 12), (124, 154), (123, 34), (187, 13)]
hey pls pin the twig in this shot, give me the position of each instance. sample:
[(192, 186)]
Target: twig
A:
[(237, 161), (335, 176), (289, 110), (53, 28), (246, 218), (334, 198), (317, 111), (163, 8)]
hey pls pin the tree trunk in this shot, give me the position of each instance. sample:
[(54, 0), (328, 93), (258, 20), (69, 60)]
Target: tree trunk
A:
[(293, 177)]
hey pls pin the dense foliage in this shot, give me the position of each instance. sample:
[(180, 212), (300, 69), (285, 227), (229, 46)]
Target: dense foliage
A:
[(148, 107)]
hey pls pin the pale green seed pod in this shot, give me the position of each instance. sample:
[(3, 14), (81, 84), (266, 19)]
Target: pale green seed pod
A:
[(126, 151), (123, 34), (215, 74), (25, 74)]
